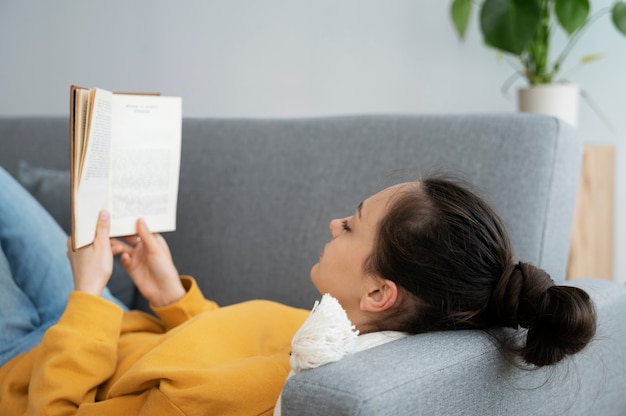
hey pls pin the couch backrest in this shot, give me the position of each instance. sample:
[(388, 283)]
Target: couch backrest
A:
[(256, 196)]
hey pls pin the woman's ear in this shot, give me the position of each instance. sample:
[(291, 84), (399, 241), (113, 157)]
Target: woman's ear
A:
[(382, 295)]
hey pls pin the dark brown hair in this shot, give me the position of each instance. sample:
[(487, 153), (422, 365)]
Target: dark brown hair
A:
[(451, 256)]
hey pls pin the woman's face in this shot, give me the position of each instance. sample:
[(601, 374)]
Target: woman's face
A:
[(339, 271)]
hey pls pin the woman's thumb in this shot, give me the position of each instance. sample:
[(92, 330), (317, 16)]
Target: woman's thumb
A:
[(103, 225)]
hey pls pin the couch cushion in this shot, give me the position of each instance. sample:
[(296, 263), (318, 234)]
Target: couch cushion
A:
[(51, 187), (256, 196)]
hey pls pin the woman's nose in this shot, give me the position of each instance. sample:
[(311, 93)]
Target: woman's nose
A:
[(335, 227)]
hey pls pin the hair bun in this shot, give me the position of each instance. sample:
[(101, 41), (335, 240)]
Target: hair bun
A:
[(561, 320), (564, 325)]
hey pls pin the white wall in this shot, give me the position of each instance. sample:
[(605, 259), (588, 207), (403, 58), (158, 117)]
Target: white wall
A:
[(287, 58)]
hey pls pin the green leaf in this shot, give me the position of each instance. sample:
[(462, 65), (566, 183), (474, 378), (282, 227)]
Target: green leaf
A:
[(571, 14), (510, 25), (460, 13), (618, 14)]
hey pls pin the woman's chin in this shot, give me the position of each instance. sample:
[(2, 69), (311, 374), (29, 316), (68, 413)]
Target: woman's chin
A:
[(314, 275)]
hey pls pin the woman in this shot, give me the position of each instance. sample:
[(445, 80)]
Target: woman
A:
[(415, 257)]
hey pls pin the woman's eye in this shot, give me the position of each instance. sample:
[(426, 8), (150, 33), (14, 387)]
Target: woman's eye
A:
[(344, 225)]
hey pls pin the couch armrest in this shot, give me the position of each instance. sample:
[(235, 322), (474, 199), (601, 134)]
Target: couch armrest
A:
[(463, 372)]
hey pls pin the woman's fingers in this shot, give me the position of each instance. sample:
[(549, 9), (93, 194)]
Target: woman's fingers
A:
[(145, 235)]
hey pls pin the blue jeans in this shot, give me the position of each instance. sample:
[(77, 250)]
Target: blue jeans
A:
[(35, 274)]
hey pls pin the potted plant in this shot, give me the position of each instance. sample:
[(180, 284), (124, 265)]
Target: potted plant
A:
[(524, 29)]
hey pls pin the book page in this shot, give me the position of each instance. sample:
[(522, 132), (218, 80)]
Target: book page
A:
[(91, 190), (80, 129), (145, 162)]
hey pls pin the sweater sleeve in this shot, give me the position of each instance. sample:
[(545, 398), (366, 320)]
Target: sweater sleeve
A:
[(190, 305), (75, 356)]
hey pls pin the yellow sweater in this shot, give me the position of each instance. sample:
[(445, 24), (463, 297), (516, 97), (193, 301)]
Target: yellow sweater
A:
[(197, 359)]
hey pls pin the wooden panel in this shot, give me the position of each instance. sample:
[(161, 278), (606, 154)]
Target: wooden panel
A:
[(591, 253)]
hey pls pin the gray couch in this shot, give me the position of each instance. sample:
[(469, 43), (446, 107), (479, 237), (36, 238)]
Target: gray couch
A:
[(255, 200)]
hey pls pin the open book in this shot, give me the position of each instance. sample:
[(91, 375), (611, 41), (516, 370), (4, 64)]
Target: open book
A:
[(124, 157)]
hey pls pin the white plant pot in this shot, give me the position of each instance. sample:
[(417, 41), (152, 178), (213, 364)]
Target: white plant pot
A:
[(559, 100)]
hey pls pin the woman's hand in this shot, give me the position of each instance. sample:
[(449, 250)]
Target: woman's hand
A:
[(92, 265), (148, 261)]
